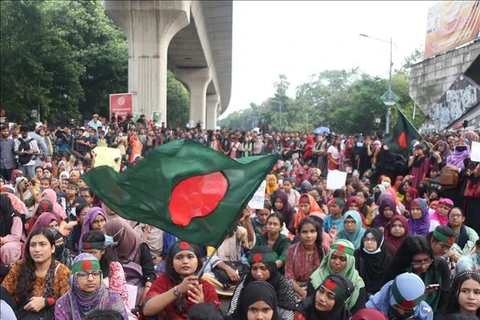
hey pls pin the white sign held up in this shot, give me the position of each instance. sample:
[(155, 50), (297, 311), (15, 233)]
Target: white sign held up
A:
[(475, 152), (259, 197), (336, 179)]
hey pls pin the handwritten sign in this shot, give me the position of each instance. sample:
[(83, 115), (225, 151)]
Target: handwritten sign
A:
[(475, 152), (259, 197), (336, 179), (105, 156)]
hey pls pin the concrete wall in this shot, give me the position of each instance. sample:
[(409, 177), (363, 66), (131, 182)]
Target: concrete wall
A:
[(431, 78)]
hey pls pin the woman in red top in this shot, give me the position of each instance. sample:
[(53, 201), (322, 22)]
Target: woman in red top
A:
[(174, 293)]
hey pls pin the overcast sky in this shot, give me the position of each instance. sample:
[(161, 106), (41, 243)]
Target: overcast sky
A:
[(299, 39)]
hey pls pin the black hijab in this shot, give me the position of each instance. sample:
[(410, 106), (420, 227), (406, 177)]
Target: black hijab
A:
[(372, 265), (253, 292), (342, 287), (6, 215), (268, 259)]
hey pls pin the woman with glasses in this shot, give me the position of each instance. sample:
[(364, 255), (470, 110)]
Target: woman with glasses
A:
[(415, 255), (87, 293), (372, 260), (352, 229), (465, 237), (441, 241)]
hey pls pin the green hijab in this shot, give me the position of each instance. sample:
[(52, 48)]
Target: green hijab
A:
[(349, 272)]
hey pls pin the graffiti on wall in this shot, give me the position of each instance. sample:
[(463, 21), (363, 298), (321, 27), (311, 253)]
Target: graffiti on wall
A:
[(459, 98)]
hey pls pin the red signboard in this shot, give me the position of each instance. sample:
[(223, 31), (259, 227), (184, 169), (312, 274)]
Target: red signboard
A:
[(121, 104)]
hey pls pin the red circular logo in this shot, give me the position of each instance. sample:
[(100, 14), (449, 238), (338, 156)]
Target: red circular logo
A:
[(87, 245), (87, 265), (257, 257), (184, 245)]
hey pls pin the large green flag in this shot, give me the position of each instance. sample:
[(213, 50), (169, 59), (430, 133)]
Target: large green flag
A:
[(184, 188), (403, 134)]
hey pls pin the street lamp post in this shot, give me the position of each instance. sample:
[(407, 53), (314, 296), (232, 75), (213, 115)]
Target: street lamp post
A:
[(390, 101)]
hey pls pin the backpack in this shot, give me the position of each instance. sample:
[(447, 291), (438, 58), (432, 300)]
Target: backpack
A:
[(24, 146), (448, 177)]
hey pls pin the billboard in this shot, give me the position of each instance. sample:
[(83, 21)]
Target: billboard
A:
[(121, 104), (451, 24)]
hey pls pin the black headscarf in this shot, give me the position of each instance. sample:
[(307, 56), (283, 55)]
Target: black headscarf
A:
[(372, 265), (6, 215), (253, 292), (342, 287), (268, 259)]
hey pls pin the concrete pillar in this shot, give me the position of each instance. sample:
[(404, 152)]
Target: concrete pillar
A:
[(196, 81), (149, 27), (212, 105)]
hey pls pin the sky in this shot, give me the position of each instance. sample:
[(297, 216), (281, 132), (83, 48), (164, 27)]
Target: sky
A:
[(303, 38)]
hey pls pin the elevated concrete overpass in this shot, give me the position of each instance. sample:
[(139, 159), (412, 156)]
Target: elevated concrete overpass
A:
[(191, 38)]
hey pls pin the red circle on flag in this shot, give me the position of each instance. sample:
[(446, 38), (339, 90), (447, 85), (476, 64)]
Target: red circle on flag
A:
[(402, 140), (197, 197), (87, 265)]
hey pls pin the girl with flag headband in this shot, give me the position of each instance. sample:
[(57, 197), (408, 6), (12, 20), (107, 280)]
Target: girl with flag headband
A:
[(328, 301), (441, 241), (402, 298), (176, 291), (263, 268), (419, 223), (340, 260), (87, 292)]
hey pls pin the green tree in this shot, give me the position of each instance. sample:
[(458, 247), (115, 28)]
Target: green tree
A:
[(177, 102)]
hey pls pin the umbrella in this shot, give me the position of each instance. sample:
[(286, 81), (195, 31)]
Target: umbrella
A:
[(321, 130)]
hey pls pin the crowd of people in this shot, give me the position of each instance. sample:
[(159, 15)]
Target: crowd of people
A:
[(398, 241)]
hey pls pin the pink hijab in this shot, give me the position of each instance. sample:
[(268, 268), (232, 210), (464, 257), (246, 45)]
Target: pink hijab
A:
[(443, 220), (51, 196)]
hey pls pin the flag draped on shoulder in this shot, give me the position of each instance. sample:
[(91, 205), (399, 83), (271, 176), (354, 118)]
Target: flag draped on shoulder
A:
[(184, 188), (403, 134)]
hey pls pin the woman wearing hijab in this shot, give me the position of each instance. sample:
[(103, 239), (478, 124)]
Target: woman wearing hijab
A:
[(352, 229), (401, 298), (95, 219), (386, 211), (131, 249), (440, 216), (328, 301), (272, 184), (62, 254), (372, 260), (24, 190), (46, 220), (281, 205), (465, 237), (395, 232), (419, 223), (11, 232), (87, 293), (263, 268), (410, 195), (307, 206), (341, 260), (258, 301)]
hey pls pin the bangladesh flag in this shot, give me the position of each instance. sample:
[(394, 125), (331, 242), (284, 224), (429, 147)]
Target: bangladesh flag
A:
[(184, 188), (402, 135)]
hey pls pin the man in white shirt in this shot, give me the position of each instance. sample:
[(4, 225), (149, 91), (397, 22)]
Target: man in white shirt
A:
[(26, 148)]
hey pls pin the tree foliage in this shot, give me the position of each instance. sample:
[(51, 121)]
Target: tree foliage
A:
[(65, 58)]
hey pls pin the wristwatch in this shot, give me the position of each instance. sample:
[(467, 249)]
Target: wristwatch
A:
[(176, 291)]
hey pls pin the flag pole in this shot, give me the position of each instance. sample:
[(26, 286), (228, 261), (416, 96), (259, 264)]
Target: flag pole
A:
[(200, 272)]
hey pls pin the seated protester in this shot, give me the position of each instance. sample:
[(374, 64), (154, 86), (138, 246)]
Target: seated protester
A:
[(293, 195), (258, 301), (62, 254), (275, 239), (387, 209), (351, 229), (419, 223), (87, 293), (11, 232), (229, 254), (465, 237), (73, 237), (133, 254), (328, 301), (307, 206), (464, 298), (46, 220), (305, 256), (415, 255), (263, 268), (174, 293), (43, 206), (395, 232), (402, 298), (441, 241), (113, 273), (334, 220), (341, 260), (282, 206), (95, 219), (37, 281), (259, 220), (50, 195), (469, 262), (372, 260), (440, 216), (369, 314), (24, 191), (363, 207), (353, 204)]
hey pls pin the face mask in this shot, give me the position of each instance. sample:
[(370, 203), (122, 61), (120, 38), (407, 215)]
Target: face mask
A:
[(386, 184)]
